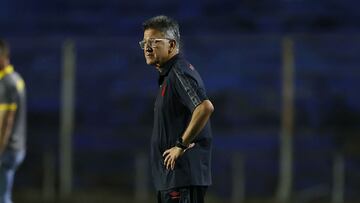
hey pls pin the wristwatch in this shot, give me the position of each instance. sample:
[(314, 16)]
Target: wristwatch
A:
[(180, 144)]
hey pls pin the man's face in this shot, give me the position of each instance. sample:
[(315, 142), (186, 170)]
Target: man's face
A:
[(157, 48), (3, 61)]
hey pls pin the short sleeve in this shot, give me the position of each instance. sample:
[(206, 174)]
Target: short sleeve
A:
[(12, 94), (189, 88)]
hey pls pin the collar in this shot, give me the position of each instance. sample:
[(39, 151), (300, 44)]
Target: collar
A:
[(166, 67), (6, 71)]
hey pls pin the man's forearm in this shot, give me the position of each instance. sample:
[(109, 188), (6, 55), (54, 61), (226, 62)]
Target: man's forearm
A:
[(199, 118), (7, 121), (2, 122)]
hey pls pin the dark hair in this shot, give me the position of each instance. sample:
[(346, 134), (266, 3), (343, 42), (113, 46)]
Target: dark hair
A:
[(4, 48), (166, 25)]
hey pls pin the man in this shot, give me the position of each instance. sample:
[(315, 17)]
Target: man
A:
[(181, 139), (12, 123)]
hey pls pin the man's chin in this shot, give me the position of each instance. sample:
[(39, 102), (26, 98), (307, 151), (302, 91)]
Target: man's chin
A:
[(151, 62)]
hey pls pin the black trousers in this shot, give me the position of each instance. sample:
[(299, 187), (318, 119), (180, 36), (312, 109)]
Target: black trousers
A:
[(190, 194)]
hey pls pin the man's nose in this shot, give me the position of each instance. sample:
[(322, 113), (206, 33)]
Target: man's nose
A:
[(148, 48)]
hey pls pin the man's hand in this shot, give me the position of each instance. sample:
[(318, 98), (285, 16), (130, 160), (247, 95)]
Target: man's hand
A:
[(172, 154)]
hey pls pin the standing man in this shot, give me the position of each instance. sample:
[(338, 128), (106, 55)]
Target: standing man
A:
[(181, 139), (12, 123)]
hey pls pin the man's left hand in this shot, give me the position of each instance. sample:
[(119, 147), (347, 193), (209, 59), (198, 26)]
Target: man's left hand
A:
[(172, 154)]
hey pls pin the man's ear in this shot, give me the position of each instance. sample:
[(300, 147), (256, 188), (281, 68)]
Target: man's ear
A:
[(172, 45)]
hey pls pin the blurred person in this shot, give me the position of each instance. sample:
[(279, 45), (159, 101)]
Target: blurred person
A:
[(181, 140), (12, 123)]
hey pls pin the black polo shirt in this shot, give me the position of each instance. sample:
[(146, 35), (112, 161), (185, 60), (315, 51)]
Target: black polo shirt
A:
[(181, 91), (12, 98)]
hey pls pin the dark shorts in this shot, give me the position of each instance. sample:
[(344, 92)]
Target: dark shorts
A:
[(191, 194)]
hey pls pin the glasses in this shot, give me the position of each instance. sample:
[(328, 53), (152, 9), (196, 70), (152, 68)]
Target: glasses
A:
[(152, 42)]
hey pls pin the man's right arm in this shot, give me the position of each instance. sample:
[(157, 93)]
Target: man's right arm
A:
[(7, 116)]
